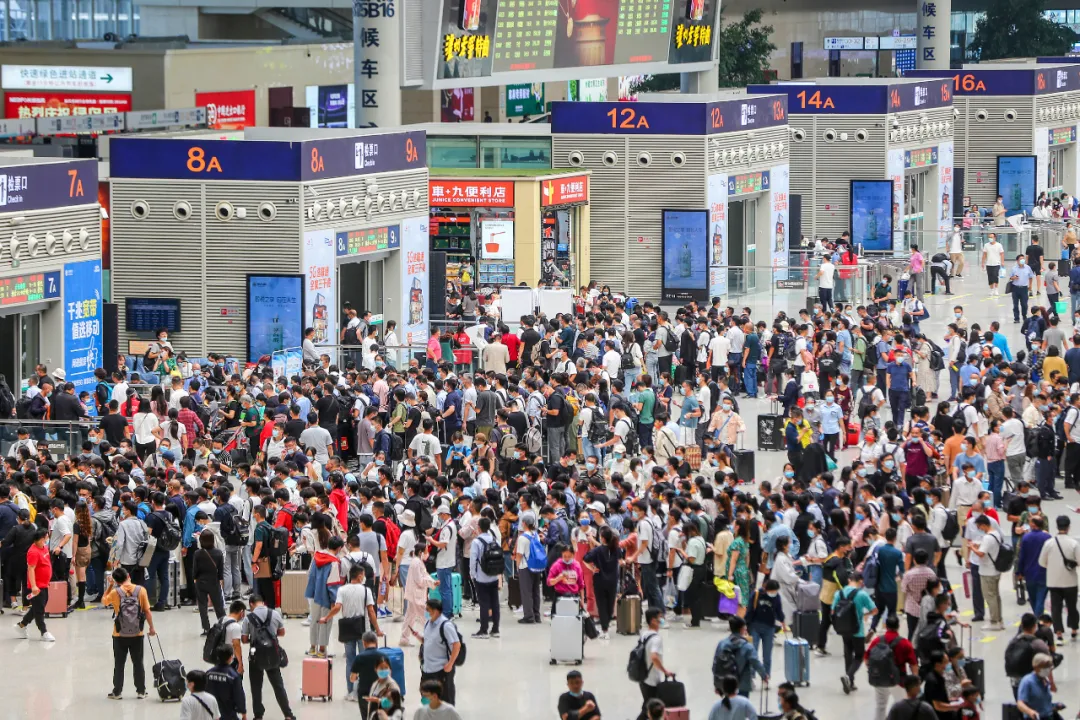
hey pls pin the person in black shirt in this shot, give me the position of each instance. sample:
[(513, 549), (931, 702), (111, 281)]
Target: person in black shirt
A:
[(577, 704), (529, 338), (294, 426), (911, 707), (1034, 254), (934, 690), (363, 671), (226, 685), (114, 424)]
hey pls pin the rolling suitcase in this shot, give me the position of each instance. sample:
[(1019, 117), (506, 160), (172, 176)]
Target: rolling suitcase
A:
[(456, 582), (806, 626), (57, 605), (567, 639), (671, 692), (628, 615), (692, 455), (852, 434), (743, 464), (677, 713), (1009, 711), (170, 679), (797, 662), (316, 679), (173, 600), (763, 706), (974, 668), (807, 597), (770, 433), (293, 603), (513, 592), (396, 656)]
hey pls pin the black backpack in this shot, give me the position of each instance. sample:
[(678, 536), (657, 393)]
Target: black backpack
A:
[(599, 429), (929, 639), (491, 558), (937, 358), (845, 616), (952, 526), (881, 664), (866, 403), (671, 343), (726, 661), (264, 644), (7, 403), (230, 527), (1003, 561), (397, 448), (351, 336), (637, 667), (870, 357), (215, 638), (632, 442), (170, 533), (1019, 654), (22, 407)]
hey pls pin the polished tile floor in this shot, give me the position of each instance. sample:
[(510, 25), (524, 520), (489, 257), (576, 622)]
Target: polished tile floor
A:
[(509, 677)]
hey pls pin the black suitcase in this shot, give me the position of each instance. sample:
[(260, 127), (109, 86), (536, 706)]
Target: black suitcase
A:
[(770, 434), (513, 592), (807, 625), (743, 463), (170, 679), (812, 300), (710, 598), (1009, 711), (974, 668)]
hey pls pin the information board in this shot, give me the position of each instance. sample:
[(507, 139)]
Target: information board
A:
[(29, 287), (362, 242), (151, 314)]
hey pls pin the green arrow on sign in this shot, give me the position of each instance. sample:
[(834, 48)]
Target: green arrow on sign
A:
[(107, 78)]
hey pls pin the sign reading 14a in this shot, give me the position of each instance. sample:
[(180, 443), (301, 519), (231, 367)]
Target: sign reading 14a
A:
[(815, 101)]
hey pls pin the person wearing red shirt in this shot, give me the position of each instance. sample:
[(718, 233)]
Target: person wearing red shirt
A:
[(513, 345), (903, 656), (38, 575), (988, 506)]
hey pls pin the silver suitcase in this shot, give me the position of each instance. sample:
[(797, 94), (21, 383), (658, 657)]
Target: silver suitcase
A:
[(567, 639)]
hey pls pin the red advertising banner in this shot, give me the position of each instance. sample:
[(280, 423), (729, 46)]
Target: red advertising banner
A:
[(228, 110), (33, 104), (470, 193), (565, 191)]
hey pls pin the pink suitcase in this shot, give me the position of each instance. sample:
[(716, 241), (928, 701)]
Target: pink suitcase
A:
[(316, 679), (967, 584), (677, 713), (57, 605)]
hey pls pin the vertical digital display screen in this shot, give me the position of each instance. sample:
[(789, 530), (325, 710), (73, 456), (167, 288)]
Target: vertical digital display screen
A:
[(871, 214), (1016, 182), (685, 254)]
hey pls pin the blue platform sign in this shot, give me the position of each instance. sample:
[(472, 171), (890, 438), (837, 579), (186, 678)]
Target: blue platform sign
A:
[(82, 323)]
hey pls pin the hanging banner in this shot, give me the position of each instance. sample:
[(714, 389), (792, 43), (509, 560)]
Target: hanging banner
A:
[(82, 323), (894, 166), (778, 218), (717, 196), (945, 193), (415, 256), (319, 279)]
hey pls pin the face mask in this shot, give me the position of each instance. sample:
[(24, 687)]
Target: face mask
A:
[(888, 464), (862, 472), (810, 533), (424, 701), (859, 516), (772, 594), (217, 451), (789, 473), (829, 399), (384, 674), (727, 407), (575, 694), (970, 473), (427, 616), (380, 463), (956, 314), (1044, 673), (1032, 510), (590, 466), (461, 508), (586, 521)]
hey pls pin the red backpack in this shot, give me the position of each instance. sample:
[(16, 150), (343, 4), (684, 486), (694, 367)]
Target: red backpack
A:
[(393, 534)]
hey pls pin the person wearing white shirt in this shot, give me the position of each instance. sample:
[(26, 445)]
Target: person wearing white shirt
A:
[(1012, 432), (987, 549), (826, 277), (956, 251), (1061, 581), (611, 360), (119, 392), (992, 255), (719, 347)]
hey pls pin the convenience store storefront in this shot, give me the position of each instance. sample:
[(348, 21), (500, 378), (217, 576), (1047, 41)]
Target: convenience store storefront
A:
[(509, 227)]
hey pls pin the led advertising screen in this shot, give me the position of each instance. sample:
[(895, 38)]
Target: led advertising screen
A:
[(331, 106), (1016, 182), (275, 313), (479, 38), (872, 214), (685, 252)]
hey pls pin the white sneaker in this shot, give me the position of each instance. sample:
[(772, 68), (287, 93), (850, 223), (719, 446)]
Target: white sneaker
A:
[(20, 631), (306, 622), (603, 636), (47, 637), (989, 627), (351, 697)]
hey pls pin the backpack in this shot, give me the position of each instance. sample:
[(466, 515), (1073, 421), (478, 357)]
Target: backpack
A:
[(170, 534), (279, 543), (881, 664), (937, 358), (215, 638), (845, 616), (22, 407), (534, 354), (423, 522), (870, 357), (626, 361), (632, 443), (203, 413), (1004, 559), (491, 559), (872, 569), (726, 661), (393, 535), (952, 526), (397, 448), (7, 403), (958, 414), (353, 513), (829, 364), (1019, 654), (351, 337), (536, 560), (659, 544), (866, 403), (22, 498), (461, 639), (230, 528), (671, 343), (599, 429), (507, 445), (928, 640), (1031, 442), (130, 617), (573, 405), (264, 644), (790, 353), (638, 665), (533, 440)]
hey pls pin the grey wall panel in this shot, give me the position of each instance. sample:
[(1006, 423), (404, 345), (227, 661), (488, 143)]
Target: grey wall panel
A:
[(986, 139)]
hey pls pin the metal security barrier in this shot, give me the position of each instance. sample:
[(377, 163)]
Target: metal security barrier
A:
[(61, 437), (765, 290)]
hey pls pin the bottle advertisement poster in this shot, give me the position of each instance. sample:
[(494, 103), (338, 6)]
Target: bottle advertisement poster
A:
[(415, 257), (320, 275), (779, 207), (1016, 182), (685, 255), (83, 313), (945, 193), (717, 196), (894, 166), (275, 314)]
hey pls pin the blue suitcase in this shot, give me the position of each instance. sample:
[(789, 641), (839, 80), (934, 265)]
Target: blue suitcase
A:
[(434, 592), (396, 656), (797, 662)]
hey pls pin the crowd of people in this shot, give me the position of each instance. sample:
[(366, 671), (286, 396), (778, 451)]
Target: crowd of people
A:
[(597, 456)]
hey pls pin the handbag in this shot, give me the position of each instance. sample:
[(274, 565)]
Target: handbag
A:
[(351, 629), (686, 576), (148, 549), (1070, 565)]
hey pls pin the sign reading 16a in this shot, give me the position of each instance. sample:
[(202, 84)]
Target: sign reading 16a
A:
[(373, 8)]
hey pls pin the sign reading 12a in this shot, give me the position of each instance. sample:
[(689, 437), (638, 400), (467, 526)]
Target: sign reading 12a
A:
[(627, 119)]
